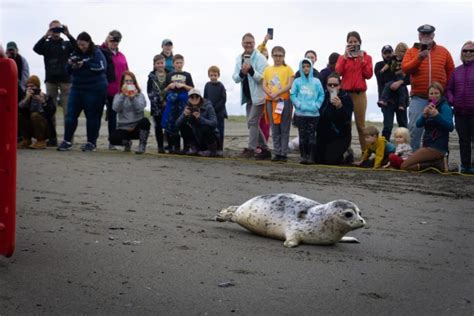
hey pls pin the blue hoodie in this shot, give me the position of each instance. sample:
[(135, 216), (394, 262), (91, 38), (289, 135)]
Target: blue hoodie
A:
[(307, 93)]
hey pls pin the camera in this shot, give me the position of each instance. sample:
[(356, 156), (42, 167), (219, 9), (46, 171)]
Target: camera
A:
[(58, 29), (36, 91), (424, 47), (75, 59)]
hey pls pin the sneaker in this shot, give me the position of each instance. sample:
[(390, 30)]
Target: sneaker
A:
[(466, 170), (161, 151), (220, 153), (264, 154), (282, 158), (112, 147), (52, 142), (247, 153), (276, 158), (25, 143), (64, 146), (88, 147), (40, 144)]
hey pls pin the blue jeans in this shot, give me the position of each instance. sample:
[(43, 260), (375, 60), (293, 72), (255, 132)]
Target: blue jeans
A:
[(415, 111), (92, 102), (389, 112)]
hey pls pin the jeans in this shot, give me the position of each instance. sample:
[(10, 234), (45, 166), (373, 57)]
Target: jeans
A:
[(415, 111), (111, 115), (254, 113), (92, 102), (52, 91), (281, 132), (465, 130), (389, 112)]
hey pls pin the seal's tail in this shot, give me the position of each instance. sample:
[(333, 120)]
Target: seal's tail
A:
[(225, 215)]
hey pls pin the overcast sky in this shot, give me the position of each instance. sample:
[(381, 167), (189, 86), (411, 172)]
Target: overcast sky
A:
[(209, 33)]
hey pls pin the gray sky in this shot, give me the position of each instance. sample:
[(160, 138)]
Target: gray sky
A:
[(209, 33)]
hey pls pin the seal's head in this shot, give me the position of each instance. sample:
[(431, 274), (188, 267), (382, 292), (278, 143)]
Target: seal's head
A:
[(348, 213)]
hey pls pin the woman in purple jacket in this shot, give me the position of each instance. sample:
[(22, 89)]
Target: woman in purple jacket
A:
[(460, 93)]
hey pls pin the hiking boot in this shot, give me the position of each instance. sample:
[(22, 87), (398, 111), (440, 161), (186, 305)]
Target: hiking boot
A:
[(25, 143), (40, 144), (441, 165), (263, 154), (143, 140), (52, 142), (247, 153), (127, 145), (88, 147), (64, 146)]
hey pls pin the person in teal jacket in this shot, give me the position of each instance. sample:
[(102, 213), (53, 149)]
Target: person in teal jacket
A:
[(307, 95)]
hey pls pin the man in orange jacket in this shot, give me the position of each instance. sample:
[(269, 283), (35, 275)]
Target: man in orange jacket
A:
[(425, 63)]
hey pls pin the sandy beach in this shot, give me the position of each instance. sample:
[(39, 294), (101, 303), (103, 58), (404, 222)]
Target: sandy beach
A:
[(113, 233)]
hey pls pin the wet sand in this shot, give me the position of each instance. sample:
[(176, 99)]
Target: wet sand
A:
[(117, 233)]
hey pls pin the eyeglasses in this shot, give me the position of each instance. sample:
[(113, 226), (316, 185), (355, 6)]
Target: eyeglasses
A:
[(280, 56), (333, 85), (465, 51)]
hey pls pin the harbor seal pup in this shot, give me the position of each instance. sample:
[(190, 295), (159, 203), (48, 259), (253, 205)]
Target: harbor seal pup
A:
[(296, 219)]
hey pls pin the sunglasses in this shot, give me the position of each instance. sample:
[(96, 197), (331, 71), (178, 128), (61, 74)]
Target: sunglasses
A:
[(468, 51), (278, 55), (333, 85)]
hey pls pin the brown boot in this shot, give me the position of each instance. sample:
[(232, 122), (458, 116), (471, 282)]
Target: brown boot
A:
[(441, 165), (40, 144), (25, 143)]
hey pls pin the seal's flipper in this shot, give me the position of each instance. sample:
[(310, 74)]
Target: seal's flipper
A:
[(291, 240), (225, 215), (350, 240)]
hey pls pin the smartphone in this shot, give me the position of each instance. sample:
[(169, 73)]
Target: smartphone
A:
[(332, 94), (356, 49), (424, 47), (247, 59), (270, 32)]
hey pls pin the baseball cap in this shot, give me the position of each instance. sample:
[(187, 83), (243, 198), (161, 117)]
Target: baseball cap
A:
[(194, 91), (11, 45), (166, 41), (387, 48), (426, 29)]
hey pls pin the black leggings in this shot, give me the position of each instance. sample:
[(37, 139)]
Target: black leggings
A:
[(120, 135)]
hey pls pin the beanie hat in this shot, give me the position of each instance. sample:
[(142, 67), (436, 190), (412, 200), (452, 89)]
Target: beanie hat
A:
[(34, 80)]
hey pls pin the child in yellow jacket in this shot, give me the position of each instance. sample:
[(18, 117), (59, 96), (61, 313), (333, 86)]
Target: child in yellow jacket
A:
[(377, 145)]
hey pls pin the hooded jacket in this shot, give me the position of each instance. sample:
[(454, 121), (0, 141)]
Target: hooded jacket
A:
[(460, 90), (207, 116), (91, 76), (307, 93)]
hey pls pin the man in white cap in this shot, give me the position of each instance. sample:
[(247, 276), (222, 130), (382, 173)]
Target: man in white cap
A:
[(426, 62)]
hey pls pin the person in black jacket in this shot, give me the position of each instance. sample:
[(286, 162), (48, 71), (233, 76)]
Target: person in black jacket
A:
[(334, 134), (198, 126), (55, 52), (215, 92), (392, 90)]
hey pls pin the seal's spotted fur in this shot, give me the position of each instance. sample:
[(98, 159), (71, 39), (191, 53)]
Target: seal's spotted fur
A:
[(296, 219)]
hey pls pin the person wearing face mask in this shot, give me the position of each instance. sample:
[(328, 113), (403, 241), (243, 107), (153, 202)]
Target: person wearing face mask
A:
[(460, 93), (89, 87), (55, 52), (116, 66), (131, 121), (334, 133), (425, 63)]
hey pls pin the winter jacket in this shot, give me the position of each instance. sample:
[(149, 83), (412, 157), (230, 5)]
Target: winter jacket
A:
[(215, 92), (91, 76), (460, 90), (259, 63), (130, 110), (381, 147), (437, 128), (55, 54), (156, 93), (307, 93), (354, 72), (207, 116), (387, 76), (119, 66), (438, 66), (335, 123)]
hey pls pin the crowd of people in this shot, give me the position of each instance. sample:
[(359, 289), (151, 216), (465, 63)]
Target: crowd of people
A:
[(81, 76)]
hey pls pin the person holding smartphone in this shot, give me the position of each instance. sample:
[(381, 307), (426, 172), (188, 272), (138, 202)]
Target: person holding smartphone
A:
[(436, 121), (355, 67), (55, 52), (425, 63)]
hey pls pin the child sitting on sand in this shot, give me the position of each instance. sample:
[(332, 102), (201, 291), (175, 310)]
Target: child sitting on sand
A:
[(403, 150), (375, 144)]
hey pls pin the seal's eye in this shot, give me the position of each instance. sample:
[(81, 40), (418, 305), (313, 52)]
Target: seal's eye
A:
[(348, 214)]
